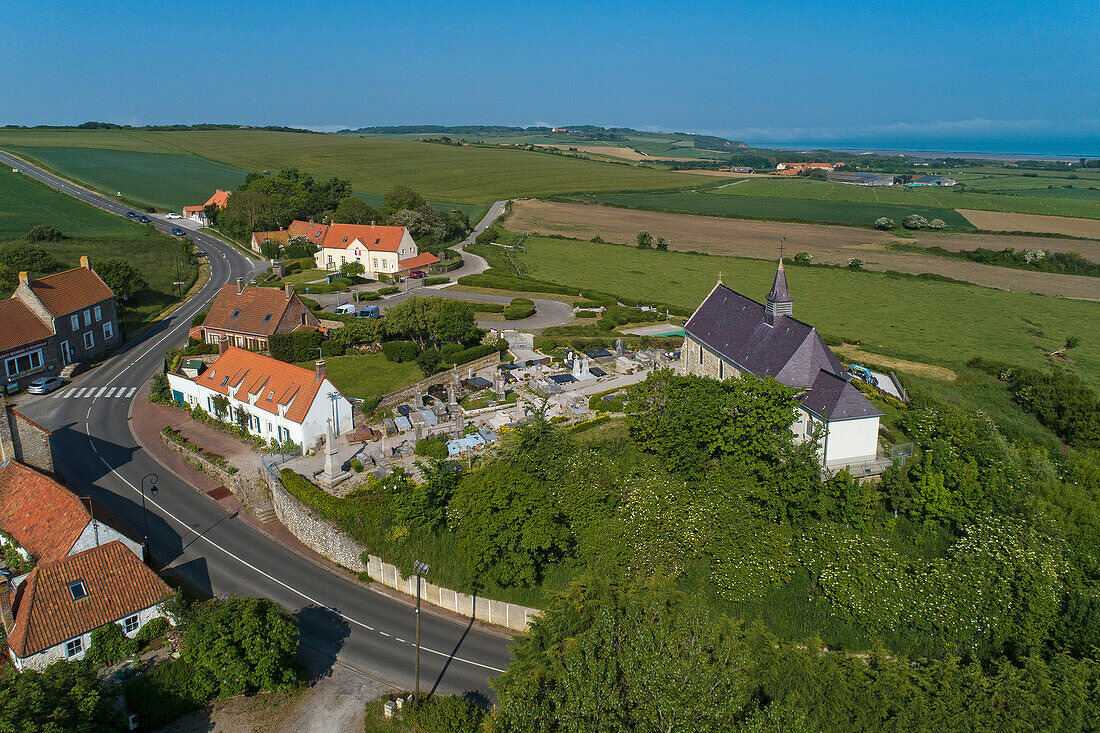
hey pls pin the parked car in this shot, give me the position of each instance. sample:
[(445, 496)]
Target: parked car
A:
[(347, 309), (862, 372), (370, 311), (172, 215), (45, 385), (143, 219), (416, 275), (177, 232), (132, 214)]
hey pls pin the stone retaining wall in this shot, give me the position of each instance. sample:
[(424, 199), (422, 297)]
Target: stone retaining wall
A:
[(325, 537), (405, 394), (232, 481)]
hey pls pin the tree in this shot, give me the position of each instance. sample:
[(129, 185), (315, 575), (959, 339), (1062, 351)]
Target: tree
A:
[(423, 223), (45, 233), (65, 698), (354, 210), (937, 224), (884, 223), (914, 221), (352, 269), (398, 198), (505, 525), (452, 320), (121, 277), (221, 406), (242, 645), (644, 240), (662, 243)]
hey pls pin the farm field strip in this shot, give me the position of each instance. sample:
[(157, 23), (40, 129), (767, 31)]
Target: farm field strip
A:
[(924, 321), (1010, 222)]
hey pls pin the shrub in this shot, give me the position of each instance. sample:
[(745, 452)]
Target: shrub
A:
[(161, 391), (389, 290), (884, 223), (45, 233), (198, 318), (451, 714), (110, 645), (364, 297), (803, 258), (587, 314), (164, 693), (914, 221), (399, 351), (431, 447), (356, 465), (937, 224), (429, 360), (294, 347), (155, 628), (436, 280), (488, 307), (855, 263), (519, 309)]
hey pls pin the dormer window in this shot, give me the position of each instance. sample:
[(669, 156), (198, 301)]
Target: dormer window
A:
[(270, 395), (77, 590)]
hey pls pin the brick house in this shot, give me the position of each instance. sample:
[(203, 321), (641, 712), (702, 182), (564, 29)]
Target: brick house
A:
[(247, 316), (51, 612), (57, 320)]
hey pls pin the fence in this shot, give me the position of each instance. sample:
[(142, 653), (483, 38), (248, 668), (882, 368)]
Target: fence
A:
[(324, 537)]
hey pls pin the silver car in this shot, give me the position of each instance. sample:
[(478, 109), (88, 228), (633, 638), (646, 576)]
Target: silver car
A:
[(44, 385)]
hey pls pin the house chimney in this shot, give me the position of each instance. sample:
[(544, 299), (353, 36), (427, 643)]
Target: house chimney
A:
[(320, 370), (5, 605), (289, 290), (240, 285), (372, 223), (23, 278), (223, 344), (84, 262)]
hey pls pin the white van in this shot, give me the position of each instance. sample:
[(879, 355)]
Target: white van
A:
[(347, 309)]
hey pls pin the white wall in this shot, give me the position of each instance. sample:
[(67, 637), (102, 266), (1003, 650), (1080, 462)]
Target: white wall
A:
[(45, 658), (851, 441), (87, 539), (387, 262)]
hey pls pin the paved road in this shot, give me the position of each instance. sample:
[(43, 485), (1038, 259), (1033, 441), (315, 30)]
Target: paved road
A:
[(96, 454)]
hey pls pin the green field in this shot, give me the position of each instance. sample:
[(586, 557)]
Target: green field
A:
[(475, 175), (925, 321), (367, 376), (164, 181), (25, 203), (785, 209), (1083, 202)]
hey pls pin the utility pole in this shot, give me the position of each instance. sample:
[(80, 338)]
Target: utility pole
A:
[(421, 569)]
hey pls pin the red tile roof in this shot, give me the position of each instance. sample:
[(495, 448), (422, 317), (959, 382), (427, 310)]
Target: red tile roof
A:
[(118, 585), (257, 310), (376, 238), (261, 237), (421, 260), (315, 232), (239, 373), (219, 199), (193, 208), (71, 290), (41, 514), (21, 325)]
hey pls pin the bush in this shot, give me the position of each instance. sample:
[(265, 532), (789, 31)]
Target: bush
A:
[(198, 318), (428, 361), (366, 297), (399, 351), (45, 233), (431, 447), (161, 391), (884, 223), (164, 693), (294, 347), (488, 307), (110, 645), (803, 258), (519, 309), (436, 280), (855, 263), (155, 628), (937, 224), (356, 465), (451, 714), (914, 221), (389, 290)]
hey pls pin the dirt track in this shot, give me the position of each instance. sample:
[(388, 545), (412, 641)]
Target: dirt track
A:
[(827, 244), (1000, 221)]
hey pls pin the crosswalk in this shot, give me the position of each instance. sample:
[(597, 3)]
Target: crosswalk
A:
[(81, 393)]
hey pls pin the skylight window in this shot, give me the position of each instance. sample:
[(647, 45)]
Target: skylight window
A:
[(345, 239), (77, 590), (267, 318), (378, 240), (225, 381), (236, 313), (270, 395)]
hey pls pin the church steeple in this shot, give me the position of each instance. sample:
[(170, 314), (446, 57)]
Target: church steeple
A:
[(779, 301)]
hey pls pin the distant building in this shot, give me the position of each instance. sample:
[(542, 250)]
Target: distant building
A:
[(737, 169), (730, 334), (799, 167), (247, 316), (270, 398), (932, 181), (261, 238), (861, 179), (382, 250), (198, 213)]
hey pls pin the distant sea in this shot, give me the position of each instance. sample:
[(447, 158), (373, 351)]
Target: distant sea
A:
[(1066, 150)]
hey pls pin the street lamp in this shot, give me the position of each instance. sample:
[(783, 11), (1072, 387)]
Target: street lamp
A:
[(152, 478), (421, 568)]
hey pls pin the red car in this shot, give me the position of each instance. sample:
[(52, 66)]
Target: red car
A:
[(416, 274)]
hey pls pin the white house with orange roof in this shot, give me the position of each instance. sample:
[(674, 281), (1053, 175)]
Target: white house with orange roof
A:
[(198, 213), (381, 250), (273, 400)]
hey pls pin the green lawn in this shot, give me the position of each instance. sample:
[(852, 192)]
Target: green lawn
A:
[(1087, 203), (926, 321), (166, 181), (475, 175), (787, 209), (25, 203), (368, 376)]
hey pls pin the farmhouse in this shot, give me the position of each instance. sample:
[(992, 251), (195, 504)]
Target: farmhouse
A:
[(730, 334), (247, 316), (261, 238), (799, 167), (861, 179), (50, 613), (198, 213), (271, 399), (932, 181), (379, 249), (56, 320)]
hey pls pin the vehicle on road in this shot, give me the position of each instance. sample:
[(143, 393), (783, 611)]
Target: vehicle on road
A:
[(370, 311), (347, 309), (172, 215), (143, 219), (416, 275), (862, 372), (44, 385), (132, 214), (177, 232)]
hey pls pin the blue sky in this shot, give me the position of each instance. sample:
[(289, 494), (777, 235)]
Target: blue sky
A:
[(855, 73)]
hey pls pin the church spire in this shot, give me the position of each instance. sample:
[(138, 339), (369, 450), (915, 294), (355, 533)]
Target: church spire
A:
[(779, 301)]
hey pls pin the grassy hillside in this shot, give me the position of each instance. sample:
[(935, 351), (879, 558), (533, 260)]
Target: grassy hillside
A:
[(926, 321), (373, 165), (786, 209), (25, 203)]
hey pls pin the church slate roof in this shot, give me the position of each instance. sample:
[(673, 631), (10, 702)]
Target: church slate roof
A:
[(736, 328), (835, 398), (779, 292)]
